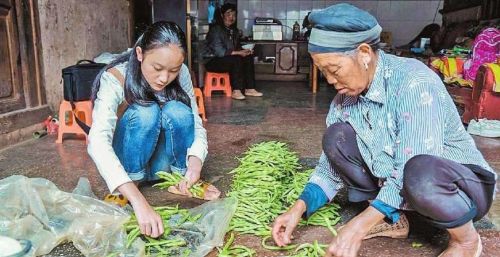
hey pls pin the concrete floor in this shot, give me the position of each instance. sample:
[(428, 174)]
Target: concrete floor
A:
[(288, 112)]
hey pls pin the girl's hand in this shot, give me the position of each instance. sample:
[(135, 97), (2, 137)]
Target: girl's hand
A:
[(149, 221), (192, 175)]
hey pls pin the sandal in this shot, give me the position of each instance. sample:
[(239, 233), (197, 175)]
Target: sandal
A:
[(400, 229), (119, 199), (205, 194)]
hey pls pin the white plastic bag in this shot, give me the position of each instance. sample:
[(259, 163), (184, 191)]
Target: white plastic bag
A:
[(35, 209)]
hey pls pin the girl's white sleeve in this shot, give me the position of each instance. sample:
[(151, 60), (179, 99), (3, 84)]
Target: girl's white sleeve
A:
[(199, 148), (104, 120)]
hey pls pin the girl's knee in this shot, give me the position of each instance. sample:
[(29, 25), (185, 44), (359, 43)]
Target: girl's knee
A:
[(178, 113), (145, 116)]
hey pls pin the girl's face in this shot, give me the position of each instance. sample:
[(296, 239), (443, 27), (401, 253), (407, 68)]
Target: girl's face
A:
[(160, 66)]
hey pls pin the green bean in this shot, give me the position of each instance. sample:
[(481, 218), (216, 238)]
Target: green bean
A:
[(279, 248), (134, 233), (173, 179), (168, 243), (310, 250), (237, 250)]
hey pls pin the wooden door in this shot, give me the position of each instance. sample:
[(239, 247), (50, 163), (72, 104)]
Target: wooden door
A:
[(22, 96), (11, 88)]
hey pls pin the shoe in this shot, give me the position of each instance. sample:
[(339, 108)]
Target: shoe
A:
[(484, 127), (119, 199), (400, 229), (253, 92), (237, 95)]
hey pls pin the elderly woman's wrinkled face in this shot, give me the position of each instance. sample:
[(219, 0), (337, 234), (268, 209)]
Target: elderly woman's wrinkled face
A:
[(229, 17), (345, 72)]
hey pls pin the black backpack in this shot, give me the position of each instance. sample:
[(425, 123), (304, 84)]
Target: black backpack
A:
[(78, 80), (77, 84)]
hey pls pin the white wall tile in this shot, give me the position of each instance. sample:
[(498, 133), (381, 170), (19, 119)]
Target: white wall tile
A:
[(302, 14), (292, 9), (306, 5), (329, 3), (383, 11), (243, 9), (246, 27), (255, 8), (280, 10), (288, 30), (318, 4), (369, 6), (405, 19), (268, 8)]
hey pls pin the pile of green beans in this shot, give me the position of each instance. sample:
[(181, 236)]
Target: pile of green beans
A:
[(295, 186), (173, 179), (165, 245), (267, 181), (258, 186)]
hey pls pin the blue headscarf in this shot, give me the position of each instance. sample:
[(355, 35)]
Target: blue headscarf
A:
[(342, 27)]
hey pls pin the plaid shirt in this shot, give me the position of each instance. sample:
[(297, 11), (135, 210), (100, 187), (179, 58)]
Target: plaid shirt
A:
[(406, 112)]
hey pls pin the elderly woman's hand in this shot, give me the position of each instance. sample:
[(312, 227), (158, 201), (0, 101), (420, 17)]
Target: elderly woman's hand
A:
[(348, 241), (285, 224)]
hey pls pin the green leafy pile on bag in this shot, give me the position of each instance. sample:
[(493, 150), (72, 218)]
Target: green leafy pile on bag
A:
[(187, 232), (167, 244)]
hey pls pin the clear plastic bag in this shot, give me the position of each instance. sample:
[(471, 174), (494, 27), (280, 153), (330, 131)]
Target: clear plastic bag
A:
[(36, 210), (213, 224)]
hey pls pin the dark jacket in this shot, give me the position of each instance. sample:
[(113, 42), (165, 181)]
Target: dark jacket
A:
[(221, 41)]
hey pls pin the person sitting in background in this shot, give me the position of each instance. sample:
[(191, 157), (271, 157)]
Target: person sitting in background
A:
[(226, 55), (394, 139)]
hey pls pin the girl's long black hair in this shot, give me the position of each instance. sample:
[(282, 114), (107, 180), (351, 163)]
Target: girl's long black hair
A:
[(137, 89)]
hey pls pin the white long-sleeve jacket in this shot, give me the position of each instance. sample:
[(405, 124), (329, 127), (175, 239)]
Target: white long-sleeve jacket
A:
[(104, 118)]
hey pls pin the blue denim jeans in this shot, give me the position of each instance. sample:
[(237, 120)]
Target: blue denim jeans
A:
[(151, 138)]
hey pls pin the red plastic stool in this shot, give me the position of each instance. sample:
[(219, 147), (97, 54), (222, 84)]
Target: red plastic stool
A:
[(201, 104), (217, 82), (67, 123)]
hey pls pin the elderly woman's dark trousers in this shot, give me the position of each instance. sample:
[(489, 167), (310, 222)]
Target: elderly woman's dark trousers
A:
[(241, 70), (445, 193)]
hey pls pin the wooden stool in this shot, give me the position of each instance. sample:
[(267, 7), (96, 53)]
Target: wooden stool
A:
[(217, 82), (83, 110), (201, 104)]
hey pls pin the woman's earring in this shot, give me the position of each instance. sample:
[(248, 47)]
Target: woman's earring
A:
[(366, 65)]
